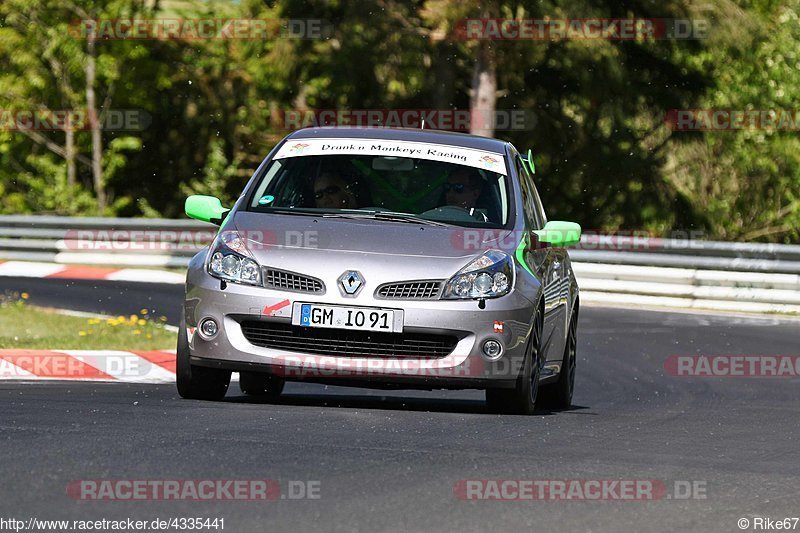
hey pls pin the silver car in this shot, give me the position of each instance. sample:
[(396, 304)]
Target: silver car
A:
[(387, 258)]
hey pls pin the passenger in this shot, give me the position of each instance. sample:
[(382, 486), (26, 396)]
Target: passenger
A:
[(332, 191)]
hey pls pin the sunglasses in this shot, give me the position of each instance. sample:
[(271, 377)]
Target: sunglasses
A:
[(455, 187), (333, 189)]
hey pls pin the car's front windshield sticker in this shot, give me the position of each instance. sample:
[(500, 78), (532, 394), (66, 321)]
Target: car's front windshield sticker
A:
[(264, 200), (481, 159)]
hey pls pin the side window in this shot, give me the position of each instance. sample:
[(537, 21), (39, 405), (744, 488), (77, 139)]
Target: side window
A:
[(533, 219), (538, 204)]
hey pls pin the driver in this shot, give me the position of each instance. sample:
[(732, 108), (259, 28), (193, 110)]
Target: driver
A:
[(332, 191), (463, 188)]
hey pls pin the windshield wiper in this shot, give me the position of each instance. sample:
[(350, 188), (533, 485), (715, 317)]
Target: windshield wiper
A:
[(393, 216), (407, 217), (291, 211), (387, 215)]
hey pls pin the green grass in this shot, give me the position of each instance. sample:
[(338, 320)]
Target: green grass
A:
[(25, 326)]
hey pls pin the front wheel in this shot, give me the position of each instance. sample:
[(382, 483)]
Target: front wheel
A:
[(559, 394), (522, 398), (197, 382)]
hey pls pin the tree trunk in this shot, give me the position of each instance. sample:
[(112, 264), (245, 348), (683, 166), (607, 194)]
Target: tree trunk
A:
[(483, 100), (94, 124), (69, 148)]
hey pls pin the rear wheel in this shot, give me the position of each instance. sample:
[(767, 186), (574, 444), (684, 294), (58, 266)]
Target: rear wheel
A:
[(197, 382), (559, 394), (522, 398), (261, 385)]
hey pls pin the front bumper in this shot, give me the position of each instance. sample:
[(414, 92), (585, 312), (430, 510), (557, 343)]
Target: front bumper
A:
[(464, 367)]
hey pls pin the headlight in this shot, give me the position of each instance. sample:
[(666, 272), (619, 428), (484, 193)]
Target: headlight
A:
[(488, 276), (231, 260)]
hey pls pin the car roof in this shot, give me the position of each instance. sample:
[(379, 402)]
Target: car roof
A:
[(403, 134)]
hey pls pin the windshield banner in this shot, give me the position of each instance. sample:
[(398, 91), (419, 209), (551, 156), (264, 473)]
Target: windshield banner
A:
[(483, 160)]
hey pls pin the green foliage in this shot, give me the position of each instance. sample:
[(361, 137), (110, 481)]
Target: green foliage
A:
[(604, 155), (748, 182), (29, 193), (218, 174)]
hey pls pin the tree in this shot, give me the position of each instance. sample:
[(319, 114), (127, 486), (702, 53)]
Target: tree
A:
[(45, 63), (747, 182)]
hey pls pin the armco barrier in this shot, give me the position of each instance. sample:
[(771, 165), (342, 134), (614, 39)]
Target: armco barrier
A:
[(670, 272)]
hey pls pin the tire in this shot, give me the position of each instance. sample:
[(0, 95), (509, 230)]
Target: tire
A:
[(559, 394), (522, 398), (261, 385), (197, 382)]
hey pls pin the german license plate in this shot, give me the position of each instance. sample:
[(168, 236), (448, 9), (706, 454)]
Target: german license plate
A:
[(343, 317)]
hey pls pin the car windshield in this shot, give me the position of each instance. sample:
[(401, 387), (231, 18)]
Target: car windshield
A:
[(377, 185)]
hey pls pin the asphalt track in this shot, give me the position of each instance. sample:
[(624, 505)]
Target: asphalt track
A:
[(390, 461)]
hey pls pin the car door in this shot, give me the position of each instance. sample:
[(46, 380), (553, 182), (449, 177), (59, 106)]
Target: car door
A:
[(553, 272), (538, 257)]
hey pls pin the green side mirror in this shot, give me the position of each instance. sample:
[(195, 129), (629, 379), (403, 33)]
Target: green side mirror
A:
[(205, 208), (531, 165), (559, 233)]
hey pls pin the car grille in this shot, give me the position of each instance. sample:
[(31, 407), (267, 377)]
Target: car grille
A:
[(291, 281), (347, 343), (410, 290)]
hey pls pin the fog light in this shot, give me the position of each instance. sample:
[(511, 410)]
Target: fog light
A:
[(208, 327), (492, 349)]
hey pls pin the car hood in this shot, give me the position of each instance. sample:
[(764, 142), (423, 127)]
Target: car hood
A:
[(312, 244)]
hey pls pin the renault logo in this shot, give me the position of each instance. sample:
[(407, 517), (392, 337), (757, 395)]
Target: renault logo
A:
[(350, 283)]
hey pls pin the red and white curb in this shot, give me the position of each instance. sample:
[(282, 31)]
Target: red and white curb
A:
[(31, 269), (153, 366)]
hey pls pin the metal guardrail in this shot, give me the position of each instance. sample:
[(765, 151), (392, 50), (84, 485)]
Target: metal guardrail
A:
[(67, 223), (740, 276), (734, 263), (48, 234), (103, 240)]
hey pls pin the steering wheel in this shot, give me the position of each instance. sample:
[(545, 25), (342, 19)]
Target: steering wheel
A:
[(449, 212), (452, 208)]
